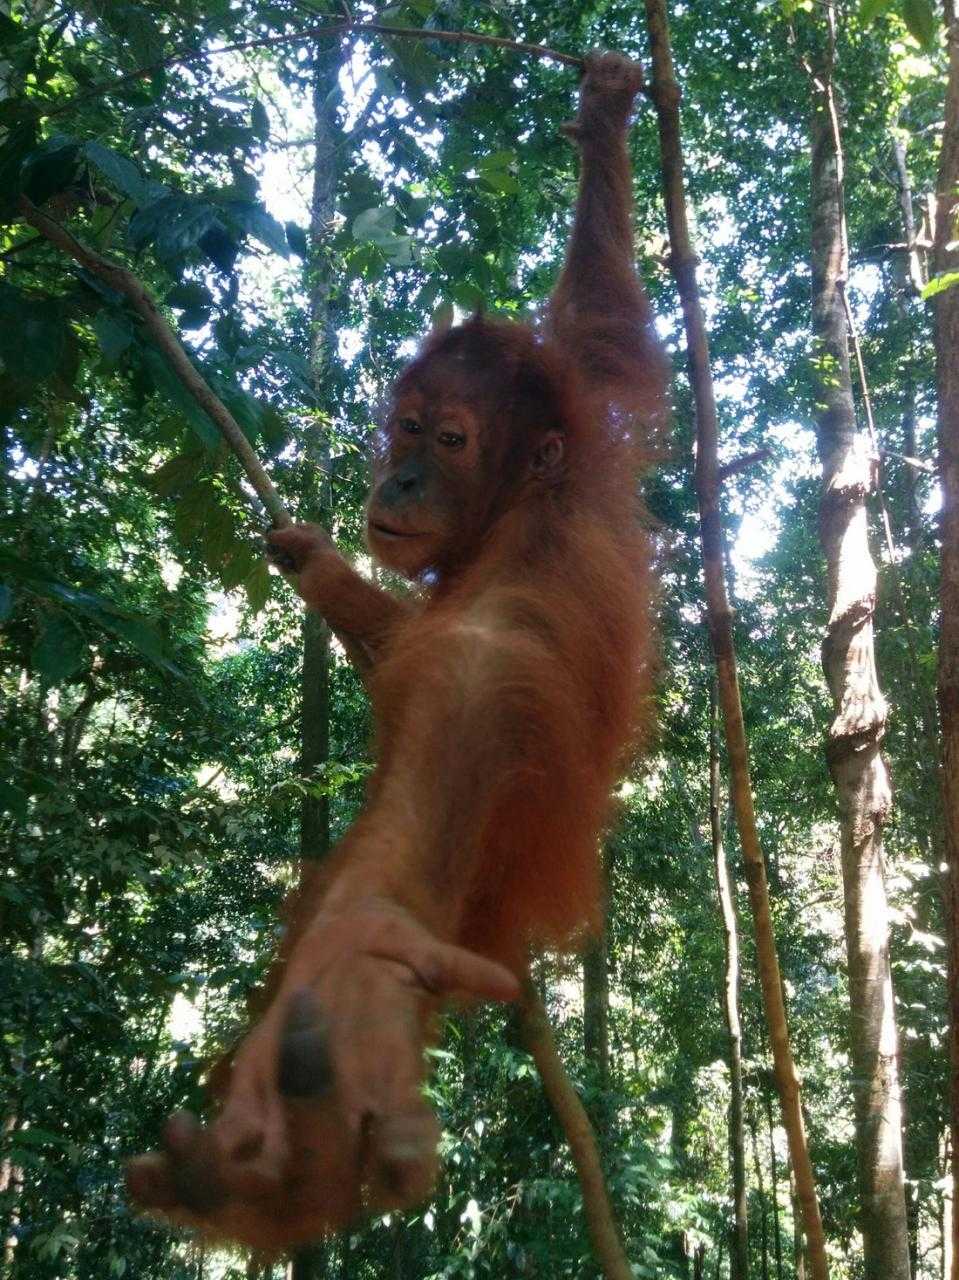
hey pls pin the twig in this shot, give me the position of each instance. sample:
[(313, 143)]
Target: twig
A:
[(337, 27), (572, 1117), (29, 243), (742, 464), (917, 464), (136, 293)]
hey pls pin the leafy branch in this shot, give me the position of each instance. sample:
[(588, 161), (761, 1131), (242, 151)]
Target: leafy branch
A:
[(337, 27), (139, 297)]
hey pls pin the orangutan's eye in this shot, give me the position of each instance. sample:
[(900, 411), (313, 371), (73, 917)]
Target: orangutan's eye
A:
[(451, 439), (410, 426)]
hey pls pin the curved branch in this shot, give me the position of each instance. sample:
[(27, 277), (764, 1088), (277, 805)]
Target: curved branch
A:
[(575, 1123), (336, 27), (137, 294)]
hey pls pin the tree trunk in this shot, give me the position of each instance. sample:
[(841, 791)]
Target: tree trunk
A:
[(739, 1238), (596, 1008), (853, 747), (666, 96), (774, 1181), (763, 1203), (799, 1248), (946, 328), (311, 1263)]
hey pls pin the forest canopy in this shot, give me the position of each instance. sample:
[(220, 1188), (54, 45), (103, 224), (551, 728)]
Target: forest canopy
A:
[(303, 199)]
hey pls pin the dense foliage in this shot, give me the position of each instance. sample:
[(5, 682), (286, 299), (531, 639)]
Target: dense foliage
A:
[(149, 669)]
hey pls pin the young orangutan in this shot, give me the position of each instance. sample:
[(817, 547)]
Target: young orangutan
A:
[(505, 482)]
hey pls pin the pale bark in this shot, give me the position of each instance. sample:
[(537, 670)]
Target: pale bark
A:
[(914, 263), (946, 328), (739, 1235), (665, 94), (858, 770)]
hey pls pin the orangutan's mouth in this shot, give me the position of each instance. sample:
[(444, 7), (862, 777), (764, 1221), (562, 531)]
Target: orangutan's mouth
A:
[(384, 531)]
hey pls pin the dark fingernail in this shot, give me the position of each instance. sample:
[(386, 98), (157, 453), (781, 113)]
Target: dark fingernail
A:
[(304, 1069)]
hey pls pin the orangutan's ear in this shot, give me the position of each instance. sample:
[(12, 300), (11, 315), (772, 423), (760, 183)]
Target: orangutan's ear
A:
[(548, 456)]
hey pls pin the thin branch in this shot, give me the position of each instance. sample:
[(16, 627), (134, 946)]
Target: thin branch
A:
[(744, 463), (917, 464), (29, 243), (572, 1117), (338, 26), (136, 293)]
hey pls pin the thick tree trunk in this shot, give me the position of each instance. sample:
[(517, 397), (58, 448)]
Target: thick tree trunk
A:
[(739, 1236), (855, 735), (665, 94), (946, 318)]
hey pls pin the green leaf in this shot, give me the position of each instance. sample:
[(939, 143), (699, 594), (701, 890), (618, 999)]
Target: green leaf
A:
[(257, 586), (260, 120), (138, 632), (500, 182), (143, 37), (114, 333), (33, 335), (60, 651), (190, 515), (6, 601), (237, 566), (51, 168), (296, 239), (120, 172), (189, 295), (220, 247), (13, 800), (939, 284), (219, 535), (468, 296), (869, 10), (15, 147), (244, 407), (169, 385), (256, 222), (173, 225), (920, 19), (177, 474), (376, 226)]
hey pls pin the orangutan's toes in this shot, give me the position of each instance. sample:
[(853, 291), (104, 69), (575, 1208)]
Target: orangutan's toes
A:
[(402, 1158), (193, 1163), (150, 1181)]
